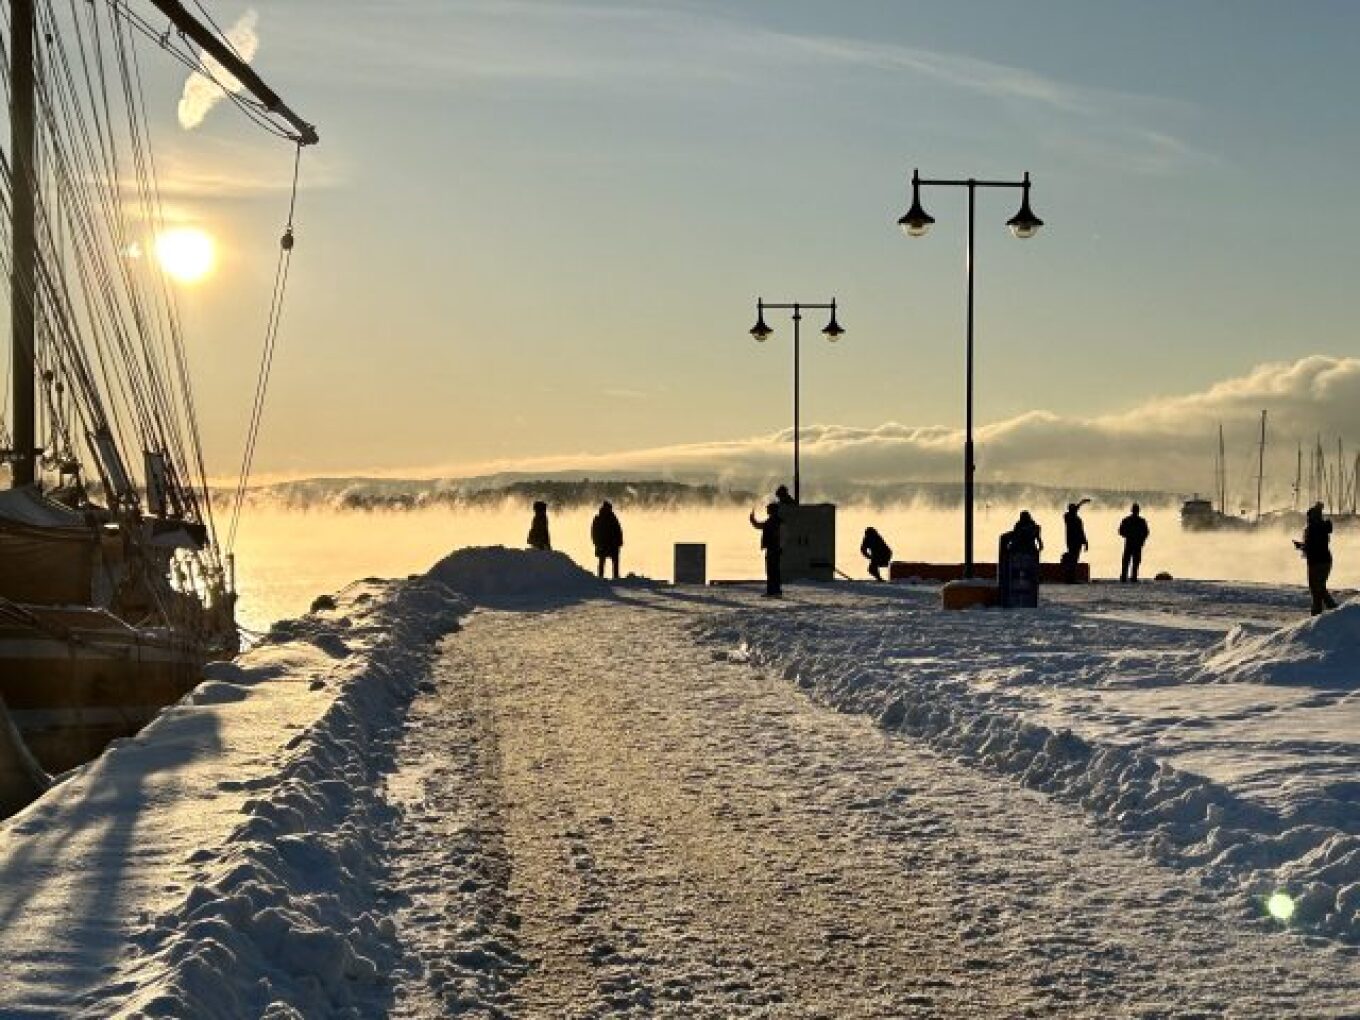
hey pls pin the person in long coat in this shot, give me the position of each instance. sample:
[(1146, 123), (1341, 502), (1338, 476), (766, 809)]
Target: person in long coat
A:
[(1317, 551), (1133, 529), (772, 544), (1075, 529), (606, 533), (538, 528)]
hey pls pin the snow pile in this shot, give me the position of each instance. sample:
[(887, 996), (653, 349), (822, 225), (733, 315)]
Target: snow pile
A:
[(282, 920), (497, 576), (1321, 651), (1246, 848)]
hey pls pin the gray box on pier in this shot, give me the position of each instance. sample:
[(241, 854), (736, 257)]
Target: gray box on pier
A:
[(691, 563)]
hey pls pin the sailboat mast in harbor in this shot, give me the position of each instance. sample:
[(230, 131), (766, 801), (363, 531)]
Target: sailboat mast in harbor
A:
[(1261, 467)]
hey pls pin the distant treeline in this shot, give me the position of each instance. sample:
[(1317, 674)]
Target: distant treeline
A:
[(558, 494)]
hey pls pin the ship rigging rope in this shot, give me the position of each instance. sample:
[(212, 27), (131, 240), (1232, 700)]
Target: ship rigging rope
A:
[(110, 323), (271, 334)]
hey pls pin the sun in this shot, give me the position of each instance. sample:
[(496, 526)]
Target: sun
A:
[(186, 253)]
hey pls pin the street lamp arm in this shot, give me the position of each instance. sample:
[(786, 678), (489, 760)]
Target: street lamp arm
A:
[(972, 183)]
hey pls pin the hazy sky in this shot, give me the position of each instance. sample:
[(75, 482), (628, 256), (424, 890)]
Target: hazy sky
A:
[(538, 229)]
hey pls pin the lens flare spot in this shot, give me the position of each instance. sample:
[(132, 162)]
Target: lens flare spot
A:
[(1280, 906), (186, 253)]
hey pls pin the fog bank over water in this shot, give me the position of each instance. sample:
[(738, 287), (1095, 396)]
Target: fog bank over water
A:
[(286, 558), (1165, 443)]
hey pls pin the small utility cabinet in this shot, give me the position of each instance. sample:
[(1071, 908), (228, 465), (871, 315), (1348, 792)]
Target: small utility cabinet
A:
[(809, 541)]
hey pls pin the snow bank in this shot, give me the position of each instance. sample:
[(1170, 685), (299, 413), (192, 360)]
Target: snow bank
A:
[(1321, 651), (1250, 850), (281, 920), (497, 576), (254, 813)]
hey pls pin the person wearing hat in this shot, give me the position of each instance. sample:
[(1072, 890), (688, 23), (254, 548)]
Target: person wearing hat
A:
[(1076, 541), (607, 535), (1317, 551)]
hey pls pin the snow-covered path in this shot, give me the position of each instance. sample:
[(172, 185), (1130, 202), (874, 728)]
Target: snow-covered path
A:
[(602, 818)]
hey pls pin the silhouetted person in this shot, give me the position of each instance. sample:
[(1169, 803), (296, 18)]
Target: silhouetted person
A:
[(876, 551), (1133, 529), (1026, 536), (770, 542), (538, 528), (1317, 550), (1076, 540), (1018, 563), (785, 497), (607, 534)]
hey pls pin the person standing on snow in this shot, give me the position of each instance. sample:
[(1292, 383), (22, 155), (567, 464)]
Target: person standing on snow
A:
[(607, 535), (876, 551), (1317, 550), (538, 528), (770, 542), (1133, 529), (1076, 540), (1026, 536)]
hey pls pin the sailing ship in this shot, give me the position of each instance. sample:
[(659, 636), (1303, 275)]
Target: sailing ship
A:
[(114, 586)]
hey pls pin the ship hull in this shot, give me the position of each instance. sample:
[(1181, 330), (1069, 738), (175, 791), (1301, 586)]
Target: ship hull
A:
[(75, 679)]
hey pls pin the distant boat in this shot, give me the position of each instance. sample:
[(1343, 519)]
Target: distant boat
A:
[(114, 589), (1200, 514)]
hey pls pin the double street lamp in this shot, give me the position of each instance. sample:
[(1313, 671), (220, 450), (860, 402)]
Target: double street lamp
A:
[(1024, 224), (832, 331)]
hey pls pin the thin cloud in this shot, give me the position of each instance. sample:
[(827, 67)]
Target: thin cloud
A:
[(1098, 125), (588, 45), (202, 93)]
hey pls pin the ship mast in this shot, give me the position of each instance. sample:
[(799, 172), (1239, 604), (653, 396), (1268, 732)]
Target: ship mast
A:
[(1221, 474), (22, 156), (1261, 468), (1298, 476), (23, 272)]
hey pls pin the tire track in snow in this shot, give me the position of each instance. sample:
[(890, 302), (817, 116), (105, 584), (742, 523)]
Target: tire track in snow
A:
[(450, 869)]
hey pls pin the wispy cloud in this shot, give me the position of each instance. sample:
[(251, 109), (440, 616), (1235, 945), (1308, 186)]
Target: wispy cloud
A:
[(656, 46), (202, 93), (996, 80), (1105, 126)]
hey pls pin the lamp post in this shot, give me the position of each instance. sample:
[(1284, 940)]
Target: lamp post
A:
[(915, 223), (832, 331)]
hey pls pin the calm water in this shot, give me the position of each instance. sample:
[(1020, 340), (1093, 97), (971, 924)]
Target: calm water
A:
[(287, 558)]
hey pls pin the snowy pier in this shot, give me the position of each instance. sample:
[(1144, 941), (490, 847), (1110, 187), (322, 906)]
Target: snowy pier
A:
[(506, 789)]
